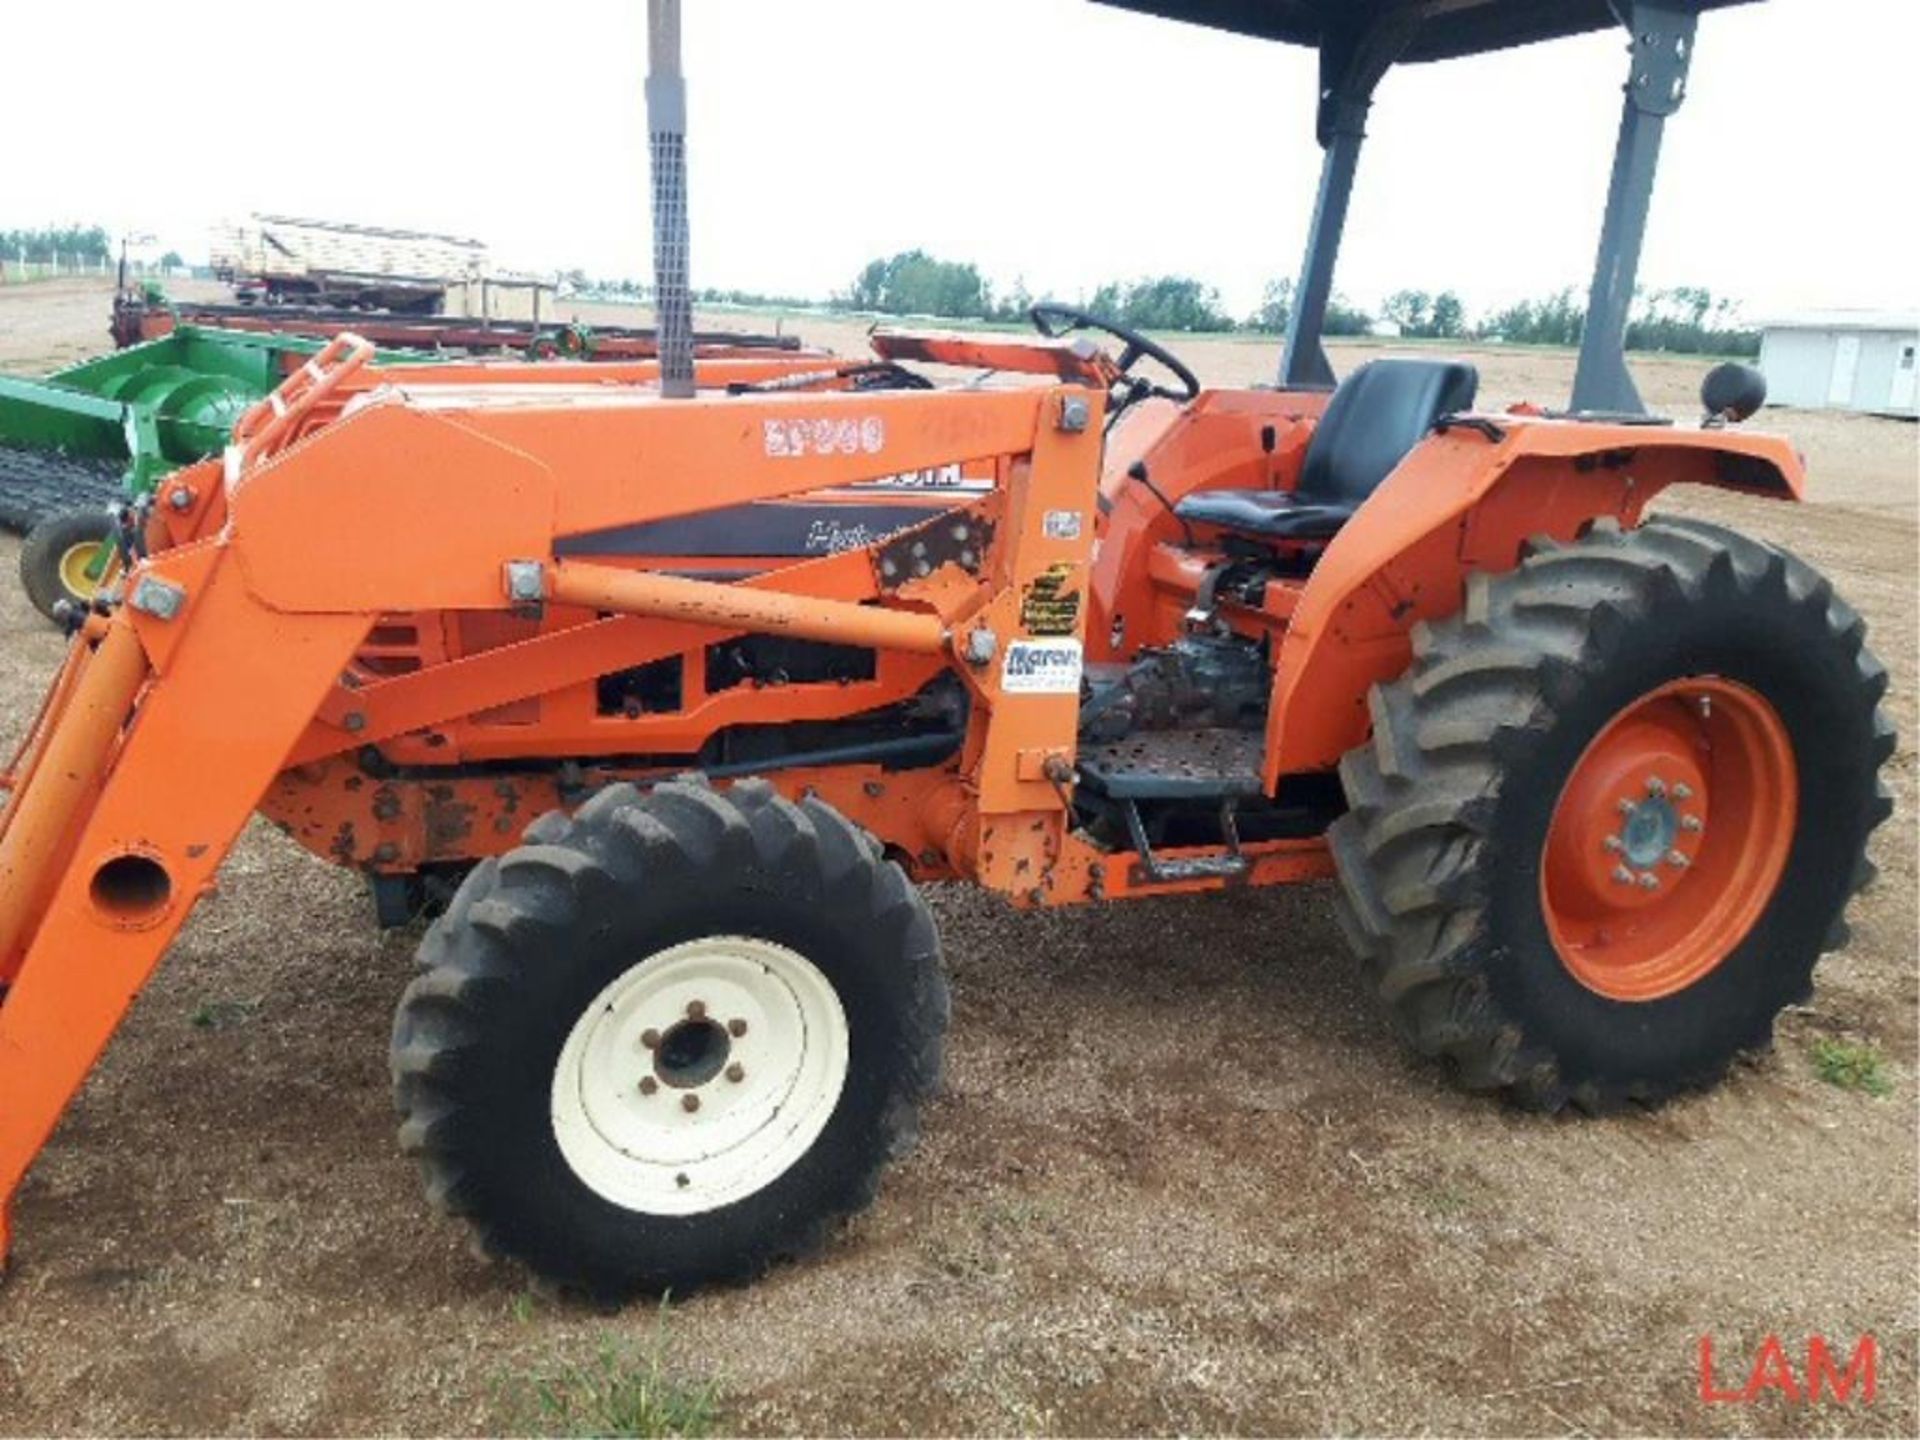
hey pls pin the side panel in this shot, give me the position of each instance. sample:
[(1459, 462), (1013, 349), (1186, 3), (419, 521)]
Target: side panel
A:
[(1797, 364)]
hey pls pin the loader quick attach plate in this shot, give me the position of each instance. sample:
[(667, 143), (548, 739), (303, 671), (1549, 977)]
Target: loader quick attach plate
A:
[(1176, 765)]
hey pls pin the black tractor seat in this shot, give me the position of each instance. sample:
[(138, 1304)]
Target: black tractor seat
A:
[(1378, 414)]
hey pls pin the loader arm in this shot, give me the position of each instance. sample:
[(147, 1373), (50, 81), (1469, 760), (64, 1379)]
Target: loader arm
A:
[(175, 713)]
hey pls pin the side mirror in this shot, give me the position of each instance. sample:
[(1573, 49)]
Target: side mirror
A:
[(1731, 392)]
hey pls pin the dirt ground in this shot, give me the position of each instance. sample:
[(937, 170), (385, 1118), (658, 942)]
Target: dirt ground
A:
[(1181, 1178)]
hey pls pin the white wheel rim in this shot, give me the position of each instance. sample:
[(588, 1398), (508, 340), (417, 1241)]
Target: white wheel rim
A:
[(622, 1084)]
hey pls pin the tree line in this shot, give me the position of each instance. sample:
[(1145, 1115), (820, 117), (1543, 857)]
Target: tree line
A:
[(1685, 319), (78, 242)]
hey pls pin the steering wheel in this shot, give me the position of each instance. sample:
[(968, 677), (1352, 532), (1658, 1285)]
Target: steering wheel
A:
[(1055, 321)]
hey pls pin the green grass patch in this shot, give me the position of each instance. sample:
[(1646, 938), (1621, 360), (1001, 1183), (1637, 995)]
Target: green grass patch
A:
[(216, 1013), (1851, 1066), (624, 1390)]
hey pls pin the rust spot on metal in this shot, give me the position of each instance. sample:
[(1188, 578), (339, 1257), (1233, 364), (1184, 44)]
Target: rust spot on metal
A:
[(958, 537), (447, 820), (345, 846)]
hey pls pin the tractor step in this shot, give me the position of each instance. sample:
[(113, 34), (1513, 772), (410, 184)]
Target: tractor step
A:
[(1176, 765), (1180, 766)]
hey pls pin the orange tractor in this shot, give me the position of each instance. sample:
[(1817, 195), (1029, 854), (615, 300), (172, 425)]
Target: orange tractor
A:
[(677, 702)]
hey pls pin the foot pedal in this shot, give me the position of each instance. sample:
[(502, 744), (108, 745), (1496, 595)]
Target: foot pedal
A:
[(1202, 615)]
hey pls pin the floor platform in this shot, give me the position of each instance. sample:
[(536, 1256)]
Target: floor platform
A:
[(1176, 765)]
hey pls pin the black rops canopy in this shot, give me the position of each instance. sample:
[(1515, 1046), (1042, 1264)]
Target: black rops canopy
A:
[(1446, 29), (1359, 40)]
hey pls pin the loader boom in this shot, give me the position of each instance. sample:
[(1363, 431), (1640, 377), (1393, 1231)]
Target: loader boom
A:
[(180, 709)]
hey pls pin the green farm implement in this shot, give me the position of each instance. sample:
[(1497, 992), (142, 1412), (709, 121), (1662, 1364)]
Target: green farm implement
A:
[(82, 440), (83, 450)]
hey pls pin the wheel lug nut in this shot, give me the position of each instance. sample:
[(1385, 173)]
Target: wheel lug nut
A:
[(1622, 875), (1690, 822), (1649, 880), (736, 1028), (1655, 785), (696, 1010), (650, 1039), (1625, 806), (1612, 843), (1683, 791), (736, 1072), (648, 1085), (1678, 859), (689, 1103)]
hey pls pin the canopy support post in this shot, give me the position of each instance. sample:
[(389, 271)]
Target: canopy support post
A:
[(1304, 363), (1351, 64), (1662, 45)]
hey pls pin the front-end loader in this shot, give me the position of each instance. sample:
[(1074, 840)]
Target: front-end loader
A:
[(681, 709), (82, 450)]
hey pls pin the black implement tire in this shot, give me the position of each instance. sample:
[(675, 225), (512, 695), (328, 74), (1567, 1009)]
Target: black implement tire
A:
[(1440, 855), (46, 546), (533, 954)]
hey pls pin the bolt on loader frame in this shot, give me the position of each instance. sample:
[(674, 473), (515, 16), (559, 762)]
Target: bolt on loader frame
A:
[(691, 694)]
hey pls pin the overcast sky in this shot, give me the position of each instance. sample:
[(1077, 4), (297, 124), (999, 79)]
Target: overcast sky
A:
[(1053, 140)]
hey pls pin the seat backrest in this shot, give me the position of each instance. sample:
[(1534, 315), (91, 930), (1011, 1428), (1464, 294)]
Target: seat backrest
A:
[(1375, 417)]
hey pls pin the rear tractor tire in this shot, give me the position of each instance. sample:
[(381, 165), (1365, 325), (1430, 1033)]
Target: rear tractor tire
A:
[(672, 1039), (1613, 813), (58, 552)]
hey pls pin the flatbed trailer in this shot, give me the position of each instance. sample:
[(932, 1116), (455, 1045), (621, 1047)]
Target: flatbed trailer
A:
[(136, 320)]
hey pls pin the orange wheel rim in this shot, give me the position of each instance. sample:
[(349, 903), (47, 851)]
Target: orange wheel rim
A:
[(1669, 838)]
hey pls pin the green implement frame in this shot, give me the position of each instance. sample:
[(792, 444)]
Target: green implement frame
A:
[(156, 406), (106, 430)]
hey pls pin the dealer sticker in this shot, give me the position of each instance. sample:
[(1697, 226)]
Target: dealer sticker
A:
[(1042, 667), (1062, 525)]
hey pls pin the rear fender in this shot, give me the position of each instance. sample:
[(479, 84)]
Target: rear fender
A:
[(1465, 500)]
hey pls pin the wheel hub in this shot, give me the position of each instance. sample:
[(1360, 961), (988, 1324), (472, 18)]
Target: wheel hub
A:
[(691, 1053), (1668, 838), (78, 560), (1648, 833), (700, 1075)]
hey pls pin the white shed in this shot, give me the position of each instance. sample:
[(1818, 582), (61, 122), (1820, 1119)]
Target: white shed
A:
[(1861, 360)]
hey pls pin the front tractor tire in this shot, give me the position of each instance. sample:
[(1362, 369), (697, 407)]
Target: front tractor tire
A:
[(671, 1039), (1613, 813)]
